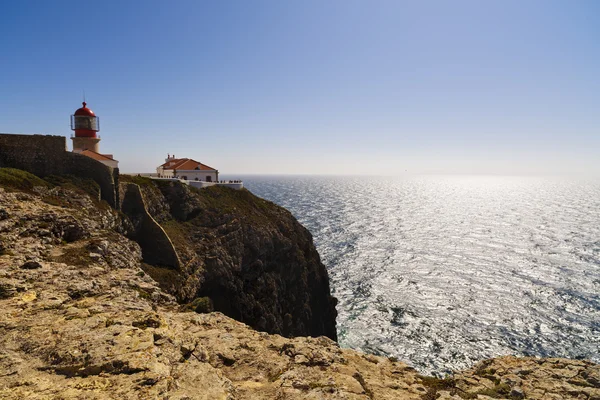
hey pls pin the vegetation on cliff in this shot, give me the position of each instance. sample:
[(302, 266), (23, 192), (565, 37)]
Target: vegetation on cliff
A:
[(250, 257)]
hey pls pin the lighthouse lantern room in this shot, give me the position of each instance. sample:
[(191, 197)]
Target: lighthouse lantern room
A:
[(86, 141), (84, 122)]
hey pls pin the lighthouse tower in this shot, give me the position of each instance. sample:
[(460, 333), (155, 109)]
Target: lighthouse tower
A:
[(86, 141), (85, 124)]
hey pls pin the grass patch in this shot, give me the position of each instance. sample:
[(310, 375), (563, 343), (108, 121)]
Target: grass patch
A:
[(21, 180), (215, 203), (13, 178), (167, 278), (229, 200), (219, 204), (178, 233), (201, 305), (75, 183), (139, 180)]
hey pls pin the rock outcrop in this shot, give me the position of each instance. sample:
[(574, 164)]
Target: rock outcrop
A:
[(157, 248), (80, 319), (250, 257)]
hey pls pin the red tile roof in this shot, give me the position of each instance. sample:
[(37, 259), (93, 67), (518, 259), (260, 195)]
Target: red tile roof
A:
[(205, 167), (186, 164), (97, 156), (172, 162)]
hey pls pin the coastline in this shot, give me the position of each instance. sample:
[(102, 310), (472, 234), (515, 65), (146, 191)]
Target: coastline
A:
[(82, 318)]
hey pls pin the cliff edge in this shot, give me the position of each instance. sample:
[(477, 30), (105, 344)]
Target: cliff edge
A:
[(238, 254), (80, 319)]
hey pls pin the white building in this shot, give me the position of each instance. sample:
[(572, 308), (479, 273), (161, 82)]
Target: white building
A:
[(187, 169)]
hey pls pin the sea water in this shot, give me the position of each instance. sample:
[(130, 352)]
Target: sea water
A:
[(443, 271)]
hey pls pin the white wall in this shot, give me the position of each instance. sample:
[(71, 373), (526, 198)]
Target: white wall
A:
[(191, 175), (200, 185), (164, 173), (110, 163)]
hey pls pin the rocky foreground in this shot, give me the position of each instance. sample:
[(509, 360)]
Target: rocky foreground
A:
[(80, 319)]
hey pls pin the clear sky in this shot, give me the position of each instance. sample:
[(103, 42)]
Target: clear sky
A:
[(314, 87)]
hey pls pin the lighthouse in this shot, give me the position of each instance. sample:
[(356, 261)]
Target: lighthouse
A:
[(86, 126), (86, 140)]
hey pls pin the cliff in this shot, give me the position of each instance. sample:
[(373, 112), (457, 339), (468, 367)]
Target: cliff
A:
[(243, 256), (80, 319)]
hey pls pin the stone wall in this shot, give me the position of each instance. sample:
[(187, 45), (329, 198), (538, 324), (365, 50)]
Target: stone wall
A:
[(157, 248), (44, 155), (41, 155), (86, 167)]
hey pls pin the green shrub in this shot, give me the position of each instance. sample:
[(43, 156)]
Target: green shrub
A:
[(201, 305)]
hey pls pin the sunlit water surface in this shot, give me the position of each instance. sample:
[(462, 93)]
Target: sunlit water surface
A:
[(444, 271)]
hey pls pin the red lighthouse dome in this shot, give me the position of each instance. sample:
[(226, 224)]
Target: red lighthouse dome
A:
[(85, 111), (84, 122)]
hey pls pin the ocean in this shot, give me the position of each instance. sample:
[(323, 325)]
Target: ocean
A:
[(444, 271)]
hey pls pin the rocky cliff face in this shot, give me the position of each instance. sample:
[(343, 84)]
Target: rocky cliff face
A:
[(250, 258), (80, 319)]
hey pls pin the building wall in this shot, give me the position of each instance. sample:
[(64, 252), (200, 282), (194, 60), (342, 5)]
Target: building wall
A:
[(44, 155), (110, 163), (164, 173), (191, 175), (82, 143), (201, 185)]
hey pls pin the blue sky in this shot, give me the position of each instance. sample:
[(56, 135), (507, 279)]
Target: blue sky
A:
[(314, 87)]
